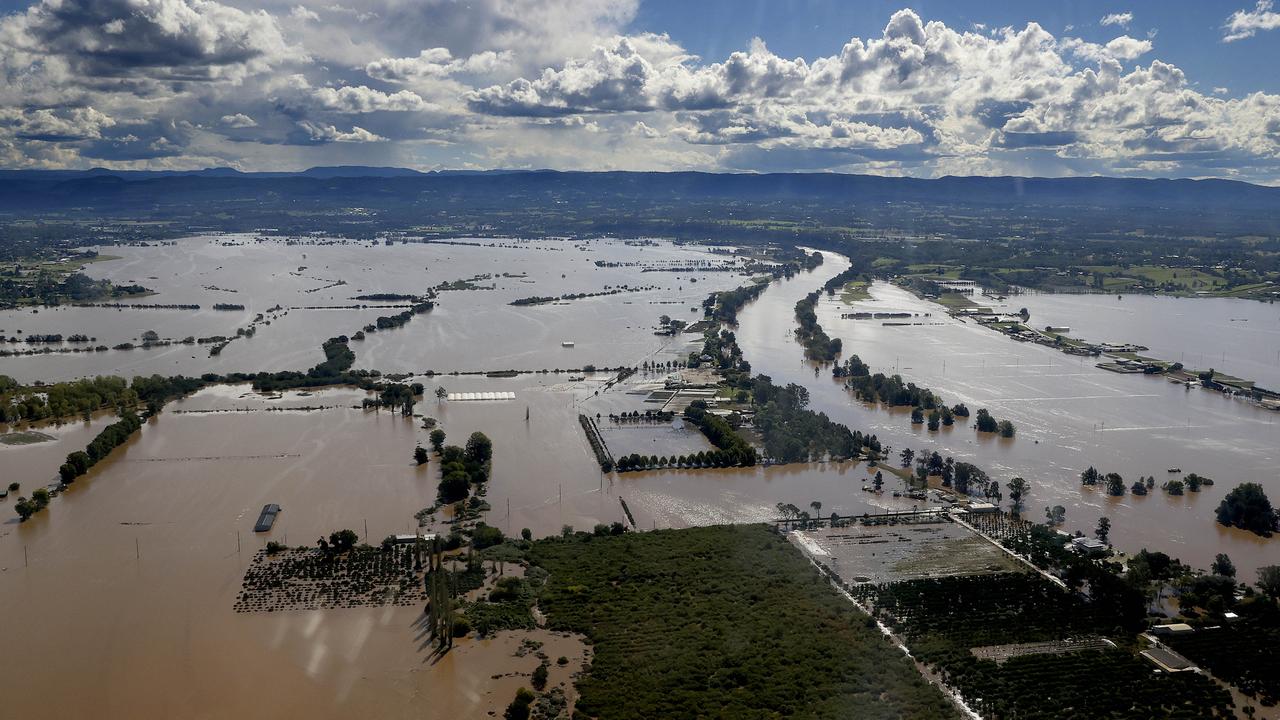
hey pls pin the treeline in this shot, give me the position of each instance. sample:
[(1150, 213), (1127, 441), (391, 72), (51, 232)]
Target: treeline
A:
[(111, 437), (545, 299), (388, 297), (387, 322), (700, 459), (887, 389), (721, 434), (228, 306), (80, 398), (723, 306), (793, 433), (817, 345)]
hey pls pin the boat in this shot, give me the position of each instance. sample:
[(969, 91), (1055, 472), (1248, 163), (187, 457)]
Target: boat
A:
[(566, 343), (1175, 470)]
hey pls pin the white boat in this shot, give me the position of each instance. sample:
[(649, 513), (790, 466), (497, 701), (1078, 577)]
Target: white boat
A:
[(566, 343)]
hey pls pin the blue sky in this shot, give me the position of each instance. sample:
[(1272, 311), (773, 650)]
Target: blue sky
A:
[(1180, 89), (1186, 32)]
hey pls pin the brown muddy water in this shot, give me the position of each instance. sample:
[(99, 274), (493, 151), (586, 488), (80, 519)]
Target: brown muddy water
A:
[(1069, 415), (468, 329), (118, 598), (119, 595)]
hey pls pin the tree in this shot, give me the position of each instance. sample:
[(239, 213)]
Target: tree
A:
[(24, 508), (437, 440), (454, 486), (526, 533), (1006, 428), (1055, 515), (1223, 566), (986, 423), (479, 448), (1269, 580), (1248, 507), (67, 473), (343, 540), (1115, 484), (519, 708), (1090, 476), (917, 415), (878, 483), (907, 456), (420, 455), (1173, 487), (539, 680), (1103, 531), (817, 507), (1018, 488), (441, 393)]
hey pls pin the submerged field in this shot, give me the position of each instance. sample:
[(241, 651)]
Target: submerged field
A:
[(725, 621)]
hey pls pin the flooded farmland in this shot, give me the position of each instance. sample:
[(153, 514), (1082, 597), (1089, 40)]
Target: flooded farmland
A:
[(127, 583), (1069, 415), (314, 285)]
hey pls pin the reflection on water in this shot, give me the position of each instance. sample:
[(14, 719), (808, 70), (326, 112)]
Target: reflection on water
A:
[(126, 583), (468, 330), (1069, 415)]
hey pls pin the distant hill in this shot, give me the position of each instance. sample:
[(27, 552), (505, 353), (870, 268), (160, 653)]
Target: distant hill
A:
[(100, 190)]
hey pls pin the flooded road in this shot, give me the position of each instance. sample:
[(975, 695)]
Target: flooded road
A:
[(1069, 415)]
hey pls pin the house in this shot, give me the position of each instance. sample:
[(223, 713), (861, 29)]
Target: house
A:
[(1088, 544), (267, 517)]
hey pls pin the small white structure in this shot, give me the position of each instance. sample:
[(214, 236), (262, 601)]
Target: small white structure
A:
[(476, 396), (981, 507), (566, 343), (410, 539)]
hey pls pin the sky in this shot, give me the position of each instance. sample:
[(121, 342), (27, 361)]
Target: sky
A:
[(1178, 88)]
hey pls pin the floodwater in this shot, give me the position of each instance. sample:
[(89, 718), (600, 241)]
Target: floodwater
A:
[(468, 329), (1237, 337), (1069, 415), (120, 594)]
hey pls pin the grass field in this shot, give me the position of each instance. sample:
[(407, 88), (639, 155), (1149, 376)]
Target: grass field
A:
[(855, 290), (721, 622)]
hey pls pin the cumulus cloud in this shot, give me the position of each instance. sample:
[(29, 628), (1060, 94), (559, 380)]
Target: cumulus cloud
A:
[(435, 63), (569, 83), (238, 121), (1121, 18), (318, 133), (159, 40), (362, 99), (1246, 23), (1121, 48)]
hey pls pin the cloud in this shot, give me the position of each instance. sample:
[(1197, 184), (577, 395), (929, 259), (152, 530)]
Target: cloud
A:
[(362, 99), (55, 125), (113, 41), (318, 133), (1246, 23), (238, 120), (435, 63), (1121, 19), (1121, 48), (279, 84)]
